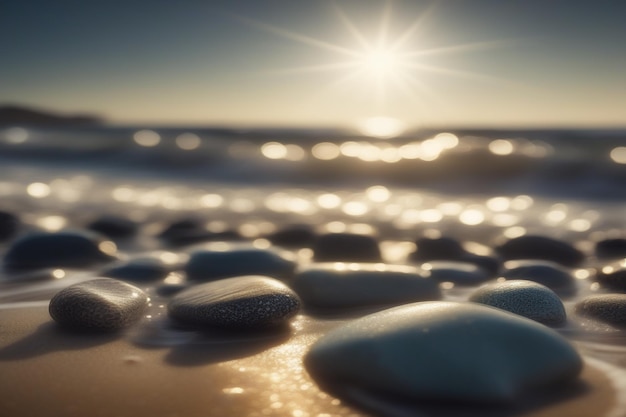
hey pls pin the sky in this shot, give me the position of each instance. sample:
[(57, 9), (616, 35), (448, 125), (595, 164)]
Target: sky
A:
[(314, 63)]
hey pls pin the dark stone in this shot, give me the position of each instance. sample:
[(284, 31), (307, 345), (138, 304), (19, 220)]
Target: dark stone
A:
[(61, 249), (114, 227), (147, 269), (212, 265), (102, 304), (541, 247), (526, 298), (248, 302), (188, 231), (9, 225), (611, 249), (613, 276), (346, 247), (459, 273), (607, 308), (547, 273), (293, 236)]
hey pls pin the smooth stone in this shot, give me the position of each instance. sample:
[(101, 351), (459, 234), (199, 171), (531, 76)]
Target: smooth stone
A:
[(212, 265), (449, 249), (547, 273), (247, 302), (611, 248), (613, 276), (102, 304), (346, 247), (60, 249), (188, 231), (607, 308), (293, 236), (442, 351), (114, 227), (338, 285), (9, 225), (541, 247), (459, 273), (146, 269), (525, 298)]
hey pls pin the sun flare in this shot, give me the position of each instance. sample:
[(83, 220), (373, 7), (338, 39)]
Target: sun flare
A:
[(381, 61)]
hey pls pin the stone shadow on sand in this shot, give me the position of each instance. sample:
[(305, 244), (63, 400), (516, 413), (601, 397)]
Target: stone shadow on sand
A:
[(50, 337), (218, 346)]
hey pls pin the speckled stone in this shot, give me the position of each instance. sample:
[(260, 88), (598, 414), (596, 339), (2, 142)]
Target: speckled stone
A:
[(9, 225), (102, 304), (114, 227), (459, 273), (613, 276), (346, 247), (607, 308), (442, 351), (611, 248), (293, 236), (249, 302), (541, 247), (526, 298), (212, 265), (550, 274), (188, 231), (61, 249), (337, 285), (140, 270)]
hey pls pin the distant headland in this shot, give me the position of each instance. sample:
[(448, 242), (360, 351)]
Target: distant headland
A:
[(29, 116)]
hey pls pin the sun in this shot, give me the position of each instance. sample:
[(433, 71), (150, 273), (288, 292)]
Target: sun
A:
[(380, 62)]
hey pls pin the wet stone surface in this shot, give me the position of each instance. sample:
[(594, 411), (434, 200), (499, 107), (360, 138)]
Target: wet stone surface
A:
[(613, 276), (102, 304), (607, 308), (139, 270), (459, 273), (240, 303), (550, 274), (611, 248), (525, 298), (346, 247), (114, 227), (543, 248)]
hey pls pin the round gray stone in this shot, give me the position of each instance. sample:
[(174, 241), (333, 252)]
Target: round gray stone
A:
[(541, 247), (460, 273), (607, 308), (613, 276), (213, 265), (443, 351), (550, 274), (526, 298), (247, 302), (102, 304), (339, 285)]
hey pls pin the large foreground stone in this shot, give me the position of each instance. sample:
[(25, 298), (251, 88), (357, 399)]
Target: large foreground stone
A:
[(443, 351)]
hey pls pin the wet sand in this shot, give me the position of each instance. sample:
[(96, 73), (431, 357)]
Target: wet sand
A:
[(45, 371)]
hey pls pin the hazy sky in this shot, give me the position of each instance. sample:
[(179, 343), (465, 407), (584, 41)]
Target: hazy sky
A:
[(319, 62)]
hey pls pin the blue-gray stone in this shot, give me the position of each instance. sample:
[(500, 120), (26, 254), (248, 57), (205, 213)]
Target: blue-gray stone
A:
[(442, 351), (607, 308), (340, 285), (459, 273), (102, 304), (143, 269), (346, 247), (550, 274), (526, 298), (113, 226), (248, 302), (611, 248), (541, 247), (212, 265), (60, 249)]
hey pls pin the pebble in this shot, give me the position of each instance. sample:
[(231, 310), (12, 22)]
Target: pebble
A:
[(547, 273), (188, 231), (212, 265), (294, 236), (143, 269), (459, 273), (60, 249), (442, 351), (340, 285), (346, 247), (114, 227), (525, 298), (613, 276), (102, 304), (607, 308), (611, 248), (9, 225), (248, 302), (541, 247)]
